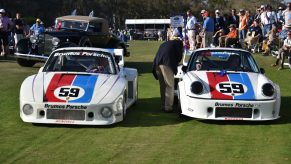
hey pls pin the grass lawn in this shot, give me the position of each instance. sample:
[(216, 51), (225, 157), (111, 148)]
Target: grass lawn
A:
[(147, 135)]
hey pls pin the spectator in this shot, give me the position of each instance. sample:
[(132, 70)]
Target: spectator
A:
[(271, 41), (208, 30), (254, 36), (18, 28), (243, 27), (5, 27), (190, 27), (250, 18), (234, 19), (258, 15), (285, 51), (266, 20), (230, 38), (219, 22), (280, 16), (165, 67), (37, 28), (287, 14)]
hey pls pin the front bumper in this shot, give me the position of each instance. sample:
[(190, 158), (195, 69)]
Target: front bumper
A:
[(79, 114), (230, 109)]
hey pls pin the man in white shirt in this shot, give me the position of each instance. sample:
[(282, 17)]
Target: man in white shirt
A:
[(287, 14), (284, 52), (190, 27), (266, 20)]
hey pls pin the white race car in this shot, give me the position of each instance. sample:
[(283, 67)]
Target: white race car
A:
[(226, 84), (79, 85)]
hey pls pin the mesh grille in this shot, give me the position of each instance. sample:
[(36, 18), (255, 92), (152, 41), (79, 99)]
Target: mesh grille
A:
[(233, 112), (65, 114)]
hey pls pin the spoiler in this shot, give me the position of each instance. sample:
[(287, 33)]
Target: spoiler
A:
[(186, 56)]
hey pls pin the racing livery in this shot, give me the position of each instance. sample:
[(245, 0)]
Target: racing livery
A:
[(86, 86), (226, 84)]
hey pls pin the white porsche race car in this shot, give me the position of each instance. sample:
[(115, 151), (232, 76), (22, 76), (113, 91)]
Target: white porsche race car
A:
[(79, 85), (226, 84)]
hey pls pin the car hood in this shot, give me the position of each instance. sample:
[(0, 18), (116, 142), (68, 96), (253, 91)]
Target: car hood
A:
[(228, 85), (72, 88)]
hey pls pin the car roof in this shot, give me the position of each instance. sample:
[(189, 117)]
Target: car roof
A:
[(82, 18), (220, 49)]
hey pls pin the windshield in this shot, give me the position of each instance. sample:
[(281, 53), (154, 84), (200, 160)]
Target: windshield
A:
[(217, 60), (74, 25), (80, 61)]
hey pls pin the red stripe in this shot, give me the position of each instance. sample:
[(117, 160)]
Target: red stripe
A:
[(57, 81), (213, 79)]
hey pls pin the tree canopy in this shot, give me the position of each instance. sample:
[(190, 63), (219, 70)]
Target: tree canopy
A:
[(119, 10)]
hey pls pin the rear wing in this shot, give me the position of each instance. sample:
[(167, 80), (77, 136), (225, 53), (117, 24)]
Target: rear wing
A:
[(186, 56), (118, 55)]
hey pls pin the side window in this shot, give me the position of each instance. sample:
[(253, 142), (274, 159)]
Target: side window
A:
[(96, 27)]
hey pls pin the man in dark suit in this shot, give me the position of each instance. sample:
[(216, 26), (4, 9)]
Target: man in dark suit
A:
[(165, 67)]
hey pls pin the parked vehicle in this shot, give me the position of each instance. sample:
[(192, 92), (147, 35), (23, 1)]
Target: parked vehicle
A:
[(70, 31)]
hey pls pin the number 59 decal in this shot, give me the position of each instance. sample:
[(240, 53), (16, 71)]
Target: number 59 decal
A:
[(69, 92), (231, 88)]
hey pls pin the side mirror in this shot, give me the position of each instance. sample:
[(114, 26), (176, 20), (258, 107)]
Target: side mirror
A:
[(184, 69), (262, 70), (40, 70)]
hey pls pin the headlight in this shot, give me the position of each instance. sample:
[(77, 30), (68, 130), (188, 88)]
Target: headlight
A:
[(268, 89), (55, 41), (119, 104), (27, 109), (33, 39), (196, 87), (106, 112)]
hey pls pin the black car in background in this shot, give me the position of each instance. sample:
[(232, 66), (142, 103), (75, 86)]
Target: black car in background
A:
[(69, 31)]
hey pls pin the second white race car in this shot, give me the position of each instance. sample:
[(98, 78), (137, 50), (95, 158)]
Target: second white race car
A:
[(226, 84)]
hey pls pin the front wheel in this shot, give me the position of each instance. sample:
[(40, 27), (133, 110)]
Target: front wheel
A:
[(25, 63)]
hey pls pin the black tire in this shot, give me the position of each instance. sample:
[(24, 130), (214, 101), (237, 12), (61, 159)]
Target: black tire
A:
[(25, 63), (85, 42), (124, 110)]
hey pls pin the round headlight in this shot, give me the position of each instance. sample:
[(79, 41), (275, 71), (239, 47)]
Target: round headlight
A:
[(196, 87), (27, 109), (119, 104), (33, 39), (106, 112), (55, 41), (268, 89)]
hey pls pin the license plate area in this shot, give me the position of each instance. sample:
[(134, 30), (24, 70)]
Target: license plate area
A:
[(65, 114), (233, 112)]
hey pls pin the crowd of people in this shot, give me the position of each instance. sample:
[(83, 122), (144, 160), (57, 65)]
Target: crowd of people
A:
[(16, 29), (264, 30)]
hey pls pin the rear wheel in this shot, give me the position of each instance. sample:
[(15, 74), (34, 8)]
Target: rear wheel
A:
[(25, 63)]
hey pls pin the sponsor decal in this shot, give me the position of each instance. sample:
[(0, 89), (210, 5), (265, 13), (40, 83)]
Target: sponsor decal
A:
[(235, 105), (69, 88), (65, 121), (229, 118), (53, 106), (231, 86), (81, 54)]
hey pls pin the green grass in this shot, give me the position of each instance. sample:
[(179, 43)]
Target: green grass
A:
[(147, 135)]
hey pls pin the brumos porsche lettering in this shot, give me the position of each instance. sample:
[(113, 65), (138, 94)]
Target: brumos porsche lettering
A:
[(235, 105), (231, 88), (52, 106)]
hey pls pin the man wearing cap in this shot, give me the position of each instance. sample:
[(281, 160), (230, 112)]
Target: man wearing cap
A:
[(190, 27), (5, 27), (285, 51), (219, 22), (165, 67), (208, 30), (37, 28)]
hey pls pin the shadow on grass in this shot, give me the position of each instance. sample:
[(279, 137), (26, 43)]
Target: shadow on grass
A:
[(146, 113), (285, 118), (142, 67)]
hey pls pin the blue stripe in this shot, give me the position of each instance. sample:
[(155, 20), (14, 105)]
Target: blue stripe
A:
[(88, 84), (243, 78)]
